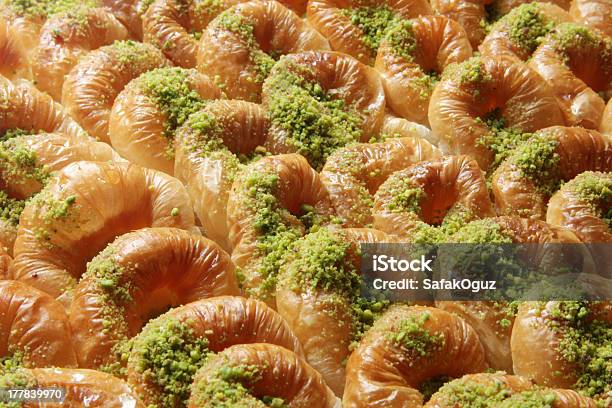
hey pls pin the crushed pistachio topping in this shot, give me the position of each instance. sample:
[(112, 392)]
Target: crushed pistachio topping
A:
[(507, 312), (242, 27), (275, 234), (172, 90), (10, 208), (109, 276), (55, 208), (586, 342), (46, 8), (501, 139), (324, 260), (131, 52), (18, 162), (465, 392), (77, 20), (13, 361), (14, 132), (537, 160), (484, 231), (50, 210), (423, 233), (527, 26), (536, 398), (470, 72), (401, 195), (230, 386), (209, 8), (202, 137), (402, 40), (170, 354), (374, 22), (576, 36), (425, 84), (406, 196), (13, 376), (120, 351), (316, 122), (595, 189), (410, 334)]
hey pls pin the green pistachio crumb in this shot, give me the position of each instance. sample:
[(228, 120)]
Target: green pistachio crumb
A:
[(46, 8), (481, 232), (527, 26), (10, 208), (240, 25), (465, 392), (374, 22), (170, 354), (470, 72), (585, 342), (402, 40), (537, 159), (410, 334), (595, 189), (501, 139), (536, 398), (316, 123), (172, 90), (405, 195)]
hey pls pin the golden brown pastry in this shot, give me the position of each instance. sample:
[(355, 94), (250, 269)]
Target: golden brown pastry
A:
[(167, 353), (505, 391), (469, 13), (318, 294), (82, 388), (24, 109), (577, 64), (357, 27), (66, 37), (83, 209), (484, 106), (258, 376), (353, 174), (210, 151), (175, 26), (272, 203), (137, 277), (406, 347), (411, 59), (319, 101), (525, 181), (583, 205), (432, 198), (148, 111), (563, 344), (517, 34), (34, 329), (594, 13), (493, 320), (241, 45), (91, 87), (28, 162)]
